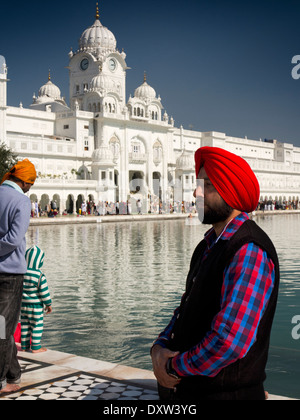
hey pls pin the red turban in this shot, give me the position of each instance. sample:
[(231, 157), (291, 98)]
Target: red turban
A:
[(231, 176)]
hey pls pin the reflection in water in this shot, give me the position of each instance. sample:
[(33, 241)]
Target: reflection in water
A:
[(115, 286)]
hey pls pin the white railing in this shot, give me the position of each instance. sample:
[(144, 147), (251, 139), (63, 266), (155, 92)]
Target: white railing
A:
[(61, 181)]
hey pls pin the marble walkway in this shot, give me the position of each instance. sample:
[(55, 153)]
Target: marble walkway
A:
[(55, 375)]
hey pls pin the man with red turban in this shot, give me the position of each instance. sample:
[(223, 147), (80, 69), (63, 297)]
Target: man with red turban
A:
[(15, 208), (216, 344), (231, 176)]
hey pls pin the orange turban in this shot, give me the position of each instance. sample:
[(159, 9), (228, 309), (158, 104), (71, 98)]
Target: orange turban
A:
[(23, 170), (231, 176)]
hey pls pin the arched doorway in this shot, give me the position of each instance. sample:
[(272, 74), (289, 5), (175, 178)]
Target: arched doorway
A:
[(55, 202), (79, 201), (156, 184), (45, 201), (136, 181), (117, 189), (70, 204)]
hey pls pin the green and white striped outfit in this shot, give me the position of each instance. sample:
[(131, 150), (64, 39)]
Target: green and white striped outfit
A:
[(35, 296)]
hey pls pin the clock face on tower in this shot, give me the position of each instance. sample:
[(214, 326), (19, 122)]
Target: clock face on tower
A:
[(112, 64), (84, 64)]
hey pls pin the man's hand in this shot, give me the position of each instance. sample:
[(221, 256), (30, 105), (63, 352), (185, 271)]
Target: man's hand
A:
[(160, 356)]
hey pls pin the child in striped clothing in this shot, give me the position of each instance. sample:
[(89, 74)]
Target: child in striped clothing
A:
[(36, 296)]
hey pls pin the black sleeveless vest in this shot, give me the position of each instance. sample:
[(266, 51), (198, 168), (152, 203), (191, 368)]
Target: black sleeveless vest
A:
[(201, 303)]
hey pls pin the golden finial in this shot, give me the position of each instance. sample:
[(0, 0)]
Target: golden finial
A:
[(97, 11), (49, 76), (145, 77)]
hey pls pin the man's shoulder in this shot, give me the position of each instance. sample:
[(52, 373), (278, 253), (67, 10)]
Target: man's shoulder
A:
[(250, 232), (13, 196)]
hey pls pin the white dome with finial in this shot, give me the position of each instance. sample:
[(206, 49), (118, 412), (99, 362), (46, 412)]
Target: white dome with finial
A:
[(50, 90), (97, 36), (145, 91)]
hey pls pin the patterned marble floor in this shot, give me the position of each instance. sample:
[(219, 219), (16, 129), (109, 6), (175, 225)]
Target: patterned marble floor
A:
[(78, 385), (56, 375), (84, 387)]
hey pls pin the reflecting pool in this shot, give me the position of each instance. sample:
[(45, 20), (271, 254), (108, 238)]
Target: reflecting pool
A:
[(114, 288)]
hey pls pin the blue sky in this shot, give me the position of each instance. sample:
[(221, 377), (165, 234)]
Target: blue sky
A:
[(217, 65)]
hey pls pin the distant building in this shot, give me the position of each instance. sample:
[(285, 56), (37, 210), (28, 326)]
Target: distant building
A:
[(104, 147)]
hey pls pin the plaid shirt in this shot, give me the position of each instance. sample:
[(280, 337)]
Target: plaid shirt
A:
[(247, 287)]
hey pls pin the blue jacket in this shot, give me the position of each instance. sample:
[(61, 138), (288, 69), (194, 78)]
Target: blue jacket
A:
[(15, 210)]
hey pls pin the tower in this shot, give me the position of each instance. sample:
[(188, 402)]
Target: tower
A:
[(97, 71), (3, 99), (97, 77)]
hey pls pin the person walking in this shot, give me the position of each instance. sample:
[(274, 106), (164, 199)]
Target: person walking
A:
[(15, 210), (83, 208), (139, 206), (216, 344), (36, 296)]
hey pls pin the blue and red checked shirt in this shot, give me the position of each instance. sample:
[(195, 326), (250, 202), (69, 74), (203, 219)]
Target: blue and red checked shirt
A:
[(247, 286)]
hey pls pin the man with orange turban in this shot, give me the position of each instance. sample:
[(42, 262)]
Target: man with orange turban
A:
[(15, 208), (216, 344), (23, 173)]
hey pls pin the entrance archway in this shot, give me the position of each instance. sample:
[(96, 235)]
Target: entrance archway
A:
[(136, 181), (70, 204), (45, 200), (156, 184), (79, 201)]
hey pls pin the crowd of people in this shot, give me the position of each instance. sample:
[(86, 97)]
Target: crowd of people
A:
[(50, 210), (270, 205), (104, 208)]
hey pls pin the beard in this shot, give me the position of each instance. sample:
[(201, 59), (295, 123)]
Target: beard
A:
[(211, 214)]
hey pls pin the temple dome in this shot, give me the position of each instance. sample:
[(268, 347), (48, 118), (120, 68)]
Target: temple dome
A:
[(50, 90), (101, 82), (185, 162), (103, 156), (97, 36), (145, 91)]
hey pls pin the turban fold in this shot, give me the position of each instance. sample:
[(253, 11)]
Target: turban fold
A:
[(232, 177), (23, 170)]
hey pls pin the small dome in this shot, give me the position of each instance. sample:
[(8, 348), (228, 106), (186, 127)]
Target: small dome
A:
[(145, 91), (103, 156), (50, 90), (101, 82), (97, 36), (185, 162)]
